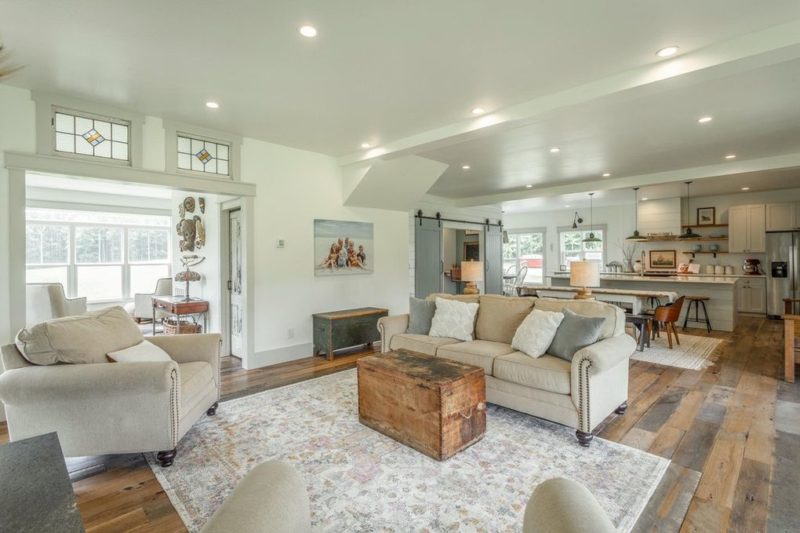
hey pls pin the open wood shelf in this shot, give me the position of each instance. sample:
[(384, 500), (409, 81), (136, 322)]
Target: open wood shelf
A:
[(706, 226), (703, 252), (677, 239)]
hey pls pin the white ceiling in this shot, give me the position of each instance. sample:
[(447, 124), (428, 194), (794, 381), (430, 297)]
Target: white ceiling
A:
[(405, 75)]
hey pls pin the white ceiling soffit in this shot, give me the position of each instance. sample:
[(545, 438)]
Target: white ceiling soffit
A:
[(43, 181), (398, 184)]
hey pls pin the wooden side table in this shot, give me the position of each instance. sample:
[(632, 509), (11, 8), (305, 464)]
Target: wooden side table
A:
[(342, 329), (178, 306)]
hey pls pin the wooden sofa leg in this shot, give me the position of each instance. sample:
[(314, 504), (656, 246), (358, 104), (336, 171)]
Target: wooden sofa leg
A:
[(165, 458), (584, 438), (622, 408), (213, 409)]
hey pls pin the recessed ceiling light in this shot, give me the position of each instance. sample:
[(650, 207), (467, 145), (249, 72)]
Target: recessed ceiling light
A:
[(478, 111), (555, 150), (529, 186), (606, 174), (645, 199), (366, 145), (730, 156), (705, 120), (308, 31), (465, 167), (566, 205), (212, 105), (745, 188), (667, 51)]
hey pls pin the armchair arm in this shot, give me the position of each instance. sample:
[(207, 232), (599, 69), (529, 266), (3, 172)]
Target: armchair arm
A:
[(65, 383), (194, 347), (143, 305), (389, 326), (74, 306)]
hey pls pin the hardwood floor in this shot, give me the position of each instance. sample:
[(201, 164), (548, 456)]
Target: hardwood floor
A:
[(732, 432)]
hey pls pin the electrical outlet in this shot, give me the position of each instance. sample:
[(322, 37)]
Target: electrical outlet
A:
[(290, 333)]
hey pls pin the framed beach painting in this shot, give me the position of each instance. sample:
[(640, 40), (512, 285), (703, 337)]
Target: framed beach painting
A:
[(343, 248), (664, 259)]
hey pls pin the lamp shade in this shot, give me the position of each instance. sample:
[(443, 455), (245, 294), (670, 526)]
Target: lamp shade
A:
[(472, 270), (584, 274)]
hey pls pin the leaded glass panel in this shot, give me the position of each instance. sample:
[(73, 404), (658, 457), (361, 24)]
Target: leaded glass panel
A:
[(82, 135), (203, 156)]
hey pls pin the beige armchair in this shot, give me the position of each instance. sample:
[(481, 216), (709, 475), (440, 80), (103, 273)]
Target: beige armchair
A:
[(108, 408), (45, 301), (142, 306)]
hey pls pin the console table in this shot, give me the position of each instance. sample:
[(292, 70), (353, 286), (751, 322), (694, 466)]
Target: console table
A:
[(342, 329), (37, 493), (178, 306)]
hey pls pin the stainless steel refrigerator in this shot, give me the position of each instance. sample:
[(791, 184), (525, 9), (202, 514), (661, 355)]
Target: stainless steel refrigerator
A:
[(783, 271)]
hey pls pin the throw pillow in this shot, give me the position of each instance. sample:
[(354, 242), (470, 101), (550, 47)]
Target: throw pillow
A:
[(143, 352), (575, 332), (83, 338), (453, 319), (537, 332), (420, 315)]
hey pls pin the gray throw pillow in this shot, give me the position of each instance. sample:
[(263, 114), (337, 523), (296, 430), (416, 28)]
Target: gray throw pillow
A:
[(575, 332), (420, 315)]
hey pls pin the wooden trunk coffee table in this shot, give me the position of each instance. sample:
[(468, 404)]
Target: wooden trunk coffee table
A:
[(434, 405)]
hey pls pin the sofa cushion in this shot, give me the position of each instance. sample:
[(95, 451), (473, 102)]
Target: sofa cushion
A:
[(419, 343), (546, 372), (615, 316), (454, 319), (575, 332), (536, 332), (477, 353), (196, 377), (83, 338), (500, 316), (420, 315), (143, 352), (466, 298)]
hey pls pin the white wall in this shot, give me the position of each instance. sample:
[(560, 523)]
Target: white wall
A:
[(294, 188)]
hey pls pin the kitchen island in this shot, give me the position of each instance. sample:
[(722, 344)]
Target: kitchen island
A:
[(721, 290)]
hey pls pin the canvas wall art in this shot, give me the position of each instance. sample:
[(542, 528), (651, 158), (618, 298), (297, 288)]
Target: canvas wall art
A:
[(343, 248)]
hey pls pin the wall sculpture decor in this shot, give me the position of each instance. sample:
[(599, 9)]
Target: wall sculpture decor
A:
[(191, 230), (202, 203), (342, 247)]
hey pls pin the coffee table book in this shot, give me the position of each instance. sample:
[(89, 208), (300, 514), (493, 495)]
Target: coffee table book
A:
[(436, 406)]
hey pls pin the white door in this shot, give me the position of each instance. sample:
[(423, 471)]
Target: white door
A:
[(235, 282)]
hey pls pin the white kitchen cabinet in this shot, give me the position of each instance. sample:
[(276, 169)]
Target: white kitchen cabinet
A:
[(747, 229), (751, 295), (781, 217)]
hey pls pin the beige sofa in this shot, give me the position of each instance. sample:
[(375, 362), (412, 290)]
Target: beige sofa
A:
[(107, 408), (580, 394)]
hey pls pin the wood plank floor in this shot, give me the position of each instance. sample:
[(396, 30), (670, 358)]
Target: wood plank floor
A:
[(732, 432)]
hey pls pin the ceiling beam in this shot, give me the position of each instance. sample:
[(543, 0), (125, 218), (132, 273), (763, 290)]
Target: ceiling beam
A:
[(743, 53), (641, 180)]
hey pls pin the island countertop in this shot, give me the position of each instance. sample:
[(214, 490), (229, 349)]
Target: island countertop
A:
[(680, 278)]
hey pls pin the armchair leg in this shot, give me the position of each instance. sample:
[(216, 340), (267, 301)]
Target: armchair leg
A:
[(622, 408), (584, 438), (165, 458), (213, 409)]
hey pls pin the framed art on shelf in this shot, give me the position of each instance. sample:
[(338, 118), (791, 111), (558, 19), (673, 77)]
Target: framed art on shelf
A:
[(706, 216)]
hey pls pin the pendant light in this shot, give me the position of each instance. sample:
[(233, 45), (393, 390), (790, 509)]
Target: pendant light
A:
[(688, 234), (636, 236), (591, 237)]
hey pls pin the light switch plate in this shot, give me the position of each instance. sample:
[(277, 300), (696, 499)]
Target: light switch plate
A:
[(280, 243)]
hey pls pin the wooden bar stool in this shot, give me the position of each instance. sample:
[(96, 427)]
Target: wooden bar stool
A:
[(668, 315), (697, 301)]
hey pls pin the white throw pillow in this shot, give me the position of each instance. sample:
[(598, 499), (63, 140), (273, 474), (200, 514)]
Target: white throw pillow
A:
[(537, 332), (453, 319), (145, 351)]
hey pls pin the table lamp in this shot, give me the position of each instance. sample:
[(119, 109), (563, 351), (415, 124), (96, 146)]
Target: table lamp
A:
[(471, 271), (584, 274)]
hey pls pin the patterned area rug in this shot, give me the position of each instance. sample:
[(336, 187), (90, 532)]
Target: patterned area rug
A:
[(692, 354), (360, 480)]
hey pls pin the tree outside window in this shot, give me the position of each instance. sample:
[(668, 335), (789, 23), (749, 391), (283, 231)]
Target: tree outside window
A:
[(573, 248)]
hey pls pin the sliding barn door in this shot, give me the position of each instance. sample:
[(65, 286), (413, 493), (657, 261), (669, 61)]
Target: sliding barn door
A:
[(427, 257), (493, 260)]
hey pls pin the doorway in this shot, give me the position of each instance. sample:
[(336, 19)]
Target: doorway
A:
[(235, 301)]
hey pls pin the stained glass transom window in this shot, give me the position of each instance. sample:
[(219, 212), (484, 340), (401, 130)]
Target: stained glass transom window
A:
[(203, 156), (76, 134)]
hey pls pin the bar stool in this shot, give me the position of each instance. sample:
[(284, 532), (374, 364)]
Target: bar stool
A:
[(697, 301)]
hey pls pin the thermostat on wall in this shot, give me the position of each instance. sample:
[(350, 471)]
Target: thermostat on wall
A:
[(280, 243)]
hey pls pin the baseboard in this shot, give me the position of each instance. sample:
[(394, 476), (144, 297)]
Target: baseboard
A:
[(279, 355)]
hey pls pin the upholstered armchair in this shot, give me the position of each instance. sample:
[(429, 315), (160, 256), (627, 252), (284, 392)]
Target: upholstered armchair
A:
[(142, 306), (109, 408), (45, 301)]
